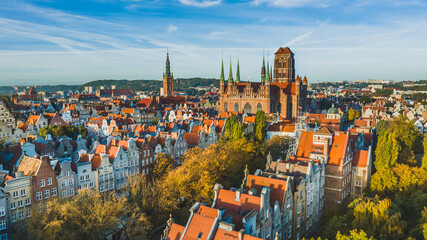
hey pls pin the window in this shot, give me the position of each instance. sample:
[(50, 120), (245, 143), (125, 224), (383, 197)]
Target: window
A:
[(82, 178), (54, 192), (101, 178), (41, 182), (28, 213), (20, 203), (12, 205), (298, 222), (27, 201), (15, 194), (64, 193), (38, 196), (91, 185), (63, 183), (87, 177), (2, 212), (299, 208), (21, 215), (358, 183), (49, 181), (71, 192), (105, 168), (101, 188), (46, 193), (14, 217), (70, 182), (67, 173), (2, 224), (23, 192)]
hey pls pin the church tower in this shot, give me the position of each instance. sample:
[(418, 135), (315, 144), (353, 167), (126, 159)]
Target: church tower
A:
[(284, 65), (167, 79)]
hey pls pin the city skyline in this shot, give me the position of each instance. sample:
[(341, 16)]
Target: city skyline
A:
[(50, 42)]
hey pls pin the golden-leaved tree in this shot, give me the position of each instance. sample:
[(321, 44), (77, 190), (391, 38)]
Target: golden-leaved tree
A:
[(223, 162)]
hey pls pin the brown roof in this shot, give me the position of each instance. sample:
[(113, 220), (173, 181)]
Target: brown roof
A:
[(175, 232), (284, 50), (29, 165), (338, 149), (277, 187), (360, 158), (191, 138)]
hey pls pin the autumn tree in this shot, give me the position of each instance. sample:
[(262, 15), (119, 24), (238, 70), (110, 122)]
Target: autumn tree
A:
[(424, 160), (277, 146), (164, 163), (354, 235), (351, 114), (148, 199), (223, 162), (375, 217), (85, 216), (260, 126)]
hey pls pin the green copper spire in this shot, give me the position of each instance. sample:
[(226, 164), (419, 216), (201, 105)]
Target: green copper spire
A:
[(263, 70), (230, 74), (238, 72), (267, 74), (168, 65), (222, 71)]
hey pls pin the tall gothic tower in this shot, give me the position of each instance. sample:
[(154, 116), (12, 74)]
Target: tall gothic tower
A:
[(167, 79), (284, 65)]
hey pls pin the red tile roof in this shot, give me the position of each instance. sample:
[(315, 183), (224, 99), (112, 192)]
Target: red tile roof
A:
[(277, 187), (175, 232), (360, 158), (191, 138), (338, 149)]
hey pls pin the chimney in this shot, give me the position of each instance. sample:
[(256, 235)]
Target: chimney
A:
[(264, 203), (241, 234), (45, 158), (238, 193), (217, 187), (326, 146), (252, 192)]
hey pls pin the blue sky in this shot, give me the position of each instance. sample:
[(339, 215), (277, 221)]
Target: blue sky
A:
[(75, 41)]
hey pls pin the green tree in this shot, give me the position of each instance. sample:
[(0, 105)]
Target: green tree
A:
[(277, 146), (424, 160), (260, 126), (365, 99), (374, 216), (83, 132), (233, 129), (354, 235), (163, 165)]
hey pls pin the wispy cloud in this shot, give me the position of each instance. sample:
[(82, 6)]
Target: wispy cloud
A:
[(200, 3), (293, 3), (172, 28)]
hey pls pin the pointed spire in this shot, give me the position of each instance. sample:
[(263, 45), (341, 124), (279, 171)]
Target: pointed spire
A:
[(267, 75), (222, 71), (230, 74), (263, 69), (238, 72), (168, 65), (271, 74)]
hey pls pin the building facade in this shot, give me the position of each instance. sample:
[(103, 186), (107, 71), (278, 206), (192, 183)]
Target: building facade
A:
[(284, 94)]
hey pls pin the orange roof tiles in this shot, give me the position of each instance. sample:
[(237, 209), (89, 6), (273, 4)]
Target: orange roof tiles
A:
[(226, 200), (192, 138), (284, 50), (360, 158), (277, 187), (305, 146), (33, 119), (175, 232), (338, 148), (208, 211), (199, 227)]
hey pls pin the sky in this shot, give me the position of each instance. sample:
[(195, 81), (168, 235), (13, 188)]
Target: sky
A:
[(76, 41)]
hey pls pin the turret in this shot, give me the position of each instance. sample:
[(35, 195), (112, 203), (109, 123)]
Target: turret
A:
[(267, 75), (230, 75), (298, 85), (221, 79), (263, 70), (238, 72)]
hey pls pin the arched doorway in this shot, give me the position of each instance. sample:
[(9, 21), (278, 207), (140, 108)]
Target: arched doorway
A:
[(258, 107), (225, 107), (248, 108), (236, 107)]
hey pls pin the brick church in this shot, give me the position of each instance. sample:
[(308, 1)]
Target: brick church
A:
[(278, 92)]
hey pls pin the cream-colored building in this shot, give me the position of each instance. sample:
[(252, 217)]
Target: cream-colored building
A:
[(104, 173), (19, 190), (6, 116)]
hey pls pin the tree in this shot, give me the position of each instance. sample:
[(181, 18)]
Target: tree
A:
[(351, 114), (354, 235), (424, 160), (365, 99), (85, 216), (233, 129), (83, 132), (260, 126), (374, 216), (223, 162), (163, 165), (356, 114), (148, 199), (277, 146)]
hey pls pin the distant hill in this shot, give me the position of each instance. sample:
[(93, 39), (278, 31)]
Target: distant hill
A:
[(180, 84), (153, 85)]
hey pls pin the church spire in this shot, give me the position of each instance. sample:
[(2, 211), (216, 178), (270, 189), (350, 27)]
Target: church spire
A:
[(267, 75), (221, 79), (230, 74), (263, 69), (168, 65), (238, 72)]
